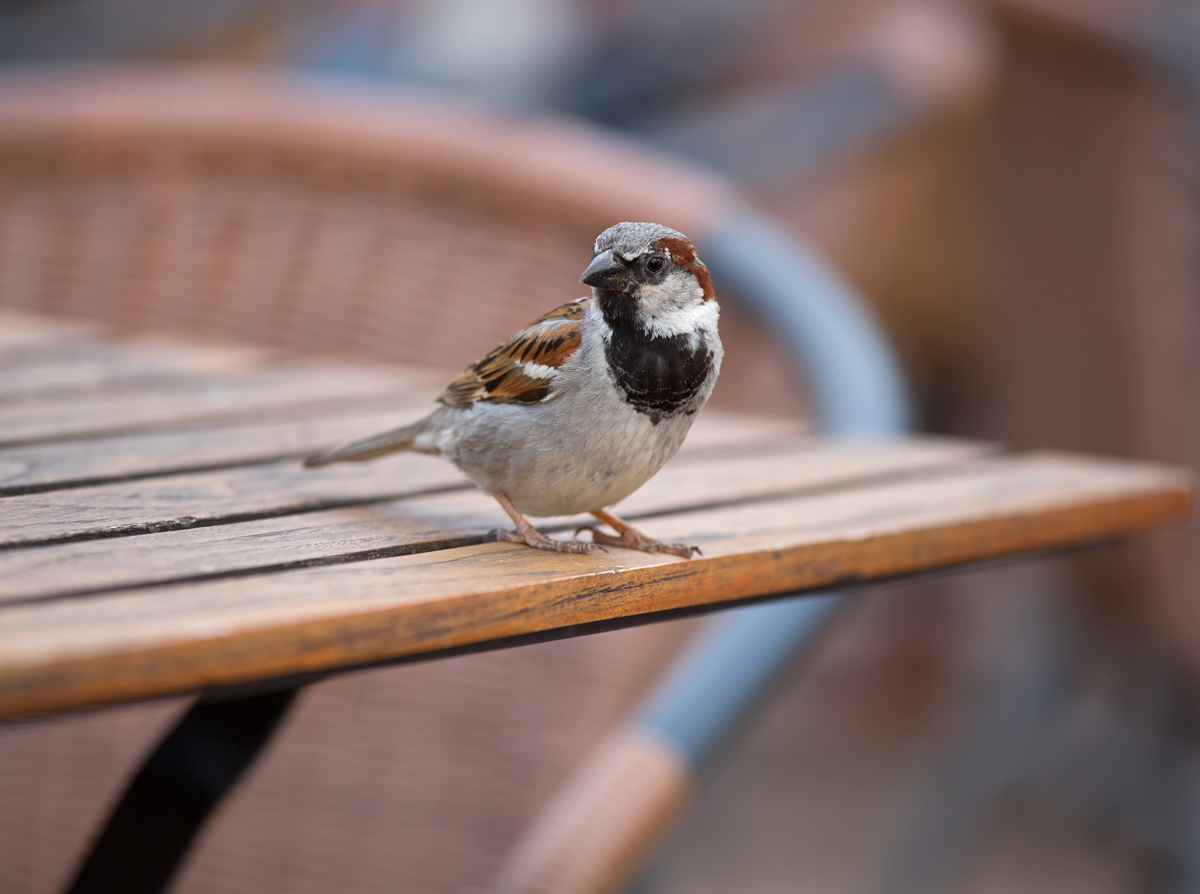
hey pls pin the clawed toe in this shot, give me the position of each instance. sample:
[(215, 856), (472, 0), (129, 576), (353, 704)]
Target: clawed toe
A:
[(541, 541), (680, 549), (676, 549), (575, 546), (505, 536), (581, 547), (631, 538)]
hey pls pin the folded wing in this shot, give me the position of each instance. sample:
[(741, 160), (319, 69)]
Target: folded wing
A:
[(523, 369)]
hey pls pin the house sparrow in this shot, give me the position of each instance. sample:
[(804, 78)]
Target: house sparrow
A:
[(584, 404)]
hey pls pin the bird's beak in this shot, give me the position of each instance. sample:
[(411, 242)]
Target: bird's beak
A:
[(606, 272)]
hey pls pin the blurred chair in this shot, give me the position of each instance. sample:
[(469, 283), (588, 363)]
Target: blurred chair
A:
[(93, 29), (1074, 336), (332, 221)]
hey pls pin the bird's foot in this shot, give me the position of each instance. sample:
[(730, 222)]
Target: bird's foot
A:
[(535, 538), (632, 538)]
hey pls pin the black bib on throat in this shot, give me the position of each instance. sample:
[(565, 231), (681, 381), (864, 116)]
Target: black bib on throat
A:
[(659, 375)]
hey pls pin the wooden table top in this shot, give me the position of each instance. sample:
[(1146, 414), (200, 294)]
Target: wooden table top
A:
[(158, 535)]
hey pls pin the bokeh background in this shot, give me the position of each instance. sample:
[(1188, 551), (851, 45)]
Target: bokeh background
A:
[(1012, 185)]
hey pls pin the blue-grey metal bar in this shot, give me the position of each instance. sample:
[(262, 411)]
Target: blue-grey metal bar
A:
[(854, 377), (724, 669), (857, 388)]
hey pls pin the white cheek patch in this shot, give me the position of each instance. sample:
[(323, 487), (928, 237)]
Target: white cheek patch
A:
[(667, 295), (697, 318), (689, 321), (675, 307)]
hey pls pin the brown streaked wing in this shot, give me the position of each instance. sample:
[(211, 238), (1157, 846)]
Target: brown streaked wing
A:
[(502, 376)]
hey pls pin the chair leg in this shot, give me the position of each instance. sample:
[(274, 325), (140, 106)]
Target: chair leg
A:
[(148, 835)]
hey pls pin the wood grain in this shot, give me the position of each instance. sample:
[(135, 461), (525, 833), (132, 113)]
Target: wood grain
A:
[(694, 479), (278, 394), (23, 334), (139, 365), (93, 461), (137, 644), (186, 500), (161, 504), (158, 536)]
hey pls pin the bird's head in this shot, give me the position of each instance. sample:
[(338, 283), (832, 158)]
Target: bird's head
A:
[(647, 273)]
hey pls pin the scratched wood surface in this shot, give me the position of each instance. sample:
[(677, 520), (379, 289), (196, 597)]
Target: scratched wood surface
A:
[(158, 536)]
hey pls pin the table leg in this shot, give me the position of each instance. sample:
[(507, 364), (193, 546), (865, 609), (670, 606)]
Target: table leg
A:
[(149, 833)]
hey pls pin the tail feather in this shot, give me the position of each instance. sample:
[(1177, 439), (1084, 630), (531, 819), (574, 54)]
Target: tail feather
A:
[(369, 448)]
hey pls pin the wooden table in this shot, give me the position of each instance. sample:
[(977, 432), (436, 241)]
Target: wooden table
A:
[(159, 535)]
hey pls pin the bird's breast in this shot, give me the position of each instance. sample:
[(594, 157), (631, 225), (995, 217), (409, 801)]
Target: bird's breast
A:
[(658, 376)]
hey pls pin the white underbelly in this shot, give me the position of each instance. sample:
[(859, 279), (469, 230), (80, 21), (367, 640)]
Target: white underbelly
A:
[(571, 455)]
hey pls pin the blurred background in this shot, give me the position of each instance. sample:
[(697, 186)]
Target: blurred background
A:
[(1011, 184)]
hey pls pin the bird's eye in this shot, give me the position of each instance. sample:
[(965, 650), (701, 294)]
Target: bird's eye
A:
[(654, 265)]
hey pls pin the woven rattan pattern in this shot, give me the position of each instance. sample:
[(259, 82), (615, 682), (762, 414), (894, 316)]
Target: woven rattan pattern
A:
[(290, 214)]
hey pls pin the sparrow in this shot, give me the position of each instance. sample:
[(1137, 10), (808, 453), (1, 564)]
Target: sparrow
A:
[(581, 407)]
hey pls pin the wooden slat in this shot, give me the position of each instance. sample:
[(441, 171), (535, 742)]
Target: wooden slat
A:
[(143, 643), (158, 504), (22, 334), (94, 461), (279, 394), (693, 479), (180, 501), (73, 463), (18, 357), (123, 366)]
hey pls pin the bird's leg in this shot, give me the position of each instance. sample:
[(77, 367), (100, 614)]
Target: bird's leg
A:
[(528, 534), (631, 538)]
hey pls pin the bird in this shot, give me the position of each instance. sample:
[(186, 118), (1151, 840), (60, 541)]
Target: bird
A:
[(585, 404)]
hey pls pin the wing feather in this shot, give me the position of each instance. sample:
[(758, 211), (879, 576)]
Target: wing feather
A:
[(522, 370)]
